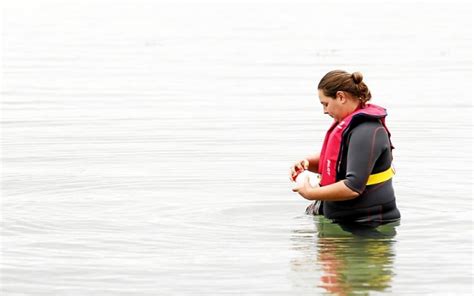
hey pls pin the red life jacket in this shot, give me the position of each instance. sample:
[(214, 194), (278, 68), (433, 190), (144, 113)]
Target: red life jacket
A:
[(330, 158)]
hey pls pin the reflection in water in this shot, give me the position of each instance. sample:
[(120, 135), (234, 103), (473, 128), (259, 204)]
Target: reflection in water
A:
[(350, 259)]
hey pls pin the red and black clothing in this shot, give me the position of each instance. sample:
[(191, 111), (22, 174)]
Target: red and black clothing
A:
[(364, 149)]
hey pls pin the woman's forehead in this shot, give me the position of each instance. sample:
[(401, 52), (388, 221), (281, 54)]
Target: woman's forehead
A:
[(321, 96)]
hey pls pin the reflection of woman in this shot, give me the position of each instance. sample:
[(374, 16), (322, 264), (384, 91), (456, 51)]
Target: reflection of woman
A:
[(354, 263), (355, 162)]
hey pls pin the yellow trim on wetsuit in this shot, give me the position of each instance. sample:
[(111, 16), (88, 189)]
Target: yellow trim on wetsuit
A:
[(381, 177)]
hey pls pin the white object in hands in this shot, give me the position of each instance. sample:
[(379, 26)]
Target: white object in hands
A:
[(313, 178)]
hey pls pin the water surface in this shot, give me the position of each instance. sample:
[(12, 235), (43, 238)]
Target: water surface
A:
[(145, 147)]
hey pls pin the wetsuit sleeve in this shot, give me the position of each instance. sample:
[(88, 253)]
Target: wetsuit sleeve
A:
[(367, 142)]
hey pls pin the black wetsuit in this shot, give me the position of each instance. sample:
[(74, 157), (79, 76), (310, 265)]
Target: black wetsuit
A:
[(367, 150)]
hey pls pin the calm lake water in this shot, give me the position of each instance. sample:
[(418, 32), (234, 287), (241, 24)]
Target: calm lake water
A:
[(146, 146)]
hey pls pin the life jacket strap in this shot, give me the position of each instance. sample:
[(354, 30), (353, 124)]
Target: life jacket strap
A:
[(381, 177)]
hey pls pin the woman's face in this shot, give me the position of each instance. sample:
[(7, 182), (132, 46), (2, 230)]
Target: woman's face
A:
[(331, 106)]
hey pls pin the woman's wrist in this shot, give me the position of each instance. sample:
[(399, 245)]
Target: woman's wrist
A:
[(314, 193)]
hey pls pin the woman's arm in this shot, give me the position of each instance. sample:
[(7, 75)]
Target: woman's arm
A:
[(334, 192), (313, 162)]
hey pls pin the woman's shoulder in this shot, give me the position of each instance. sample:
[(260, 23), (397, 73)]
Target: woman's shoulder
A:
[(368, 129), (370, 132), (367, 125)]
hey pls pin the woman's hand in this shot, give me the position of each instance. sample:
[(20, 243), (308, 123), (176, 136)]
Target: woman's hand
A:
[(298, 167), (304, 188)]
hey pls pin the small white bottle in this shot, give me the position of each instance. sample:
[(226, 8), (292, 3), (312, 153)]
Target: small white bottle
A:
[(313, 178)]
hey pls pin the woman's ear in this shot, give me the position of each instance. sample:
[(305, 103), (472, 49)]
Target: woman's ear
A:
[(341, 96)]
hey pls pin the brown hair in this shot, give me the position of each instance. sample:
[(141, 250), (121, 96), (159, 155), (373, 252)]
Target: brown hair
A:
[(339, 80)]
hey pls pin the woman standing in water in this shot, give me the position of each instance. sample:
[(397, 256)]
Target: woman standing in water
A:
[(355, 162)]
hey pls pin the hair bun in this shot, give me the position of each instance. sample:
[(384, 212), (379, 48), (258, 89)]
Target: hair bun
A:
[(357, 77)]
